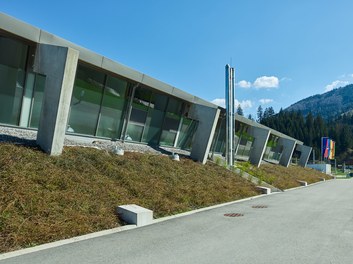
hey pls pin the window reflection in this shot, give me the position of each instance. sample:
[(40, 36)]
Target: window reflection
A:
[(13, 57), (113, 108), (86, 100)]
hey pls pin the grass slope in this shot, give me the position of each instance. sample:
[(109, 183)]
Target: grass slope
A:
[(282, 177), (45, 198)]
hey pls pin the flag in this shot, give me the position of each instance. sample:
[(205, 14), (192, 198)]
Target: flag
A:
[(332, 150), (325, 147)]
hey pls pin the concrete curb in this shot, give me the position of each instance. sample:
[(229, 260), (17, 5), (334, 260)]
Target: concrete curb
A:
[(64, 242), (162, 219), (309, 185)]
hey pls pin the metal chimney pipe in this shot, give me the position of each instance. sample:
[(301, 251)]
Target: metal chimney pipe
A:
[(230, 121)]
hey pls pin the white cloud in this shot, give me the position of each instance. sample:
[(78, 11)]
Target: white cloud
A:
[(335, 84), (265, 101), (266, 82), (244, 104), (244, 84), (222, 103)]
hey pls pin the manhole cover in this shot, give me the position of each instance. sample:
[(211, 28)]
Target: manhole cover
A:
[(233, 215), (259, 206)]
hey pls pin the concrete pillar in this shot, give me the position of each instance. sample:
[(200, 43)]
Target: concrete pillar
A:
[(207, 118), (288, 146), (305, 152), (261, 136), (59, 65)]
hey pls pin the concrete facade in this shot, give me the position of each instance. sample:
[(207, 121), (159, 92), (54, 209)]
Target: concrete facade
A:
[(288, 146), (261, 136), (57, 59), (59, 65), (208, 118)]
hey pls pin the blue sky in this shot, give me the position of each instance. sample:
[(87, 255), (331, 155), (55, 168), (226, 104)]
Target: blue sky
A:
[(282, 50)]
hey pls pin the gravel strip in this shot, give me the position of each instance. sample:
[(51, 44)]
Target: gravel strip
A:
[(28, 138)]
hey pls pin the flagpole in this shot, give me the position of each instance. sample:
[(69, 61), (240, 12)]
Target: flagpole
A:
[(321, 150)]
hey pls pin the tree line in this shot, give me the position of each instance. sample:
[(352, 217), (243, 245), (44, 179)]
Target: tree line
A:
[(310, 129)]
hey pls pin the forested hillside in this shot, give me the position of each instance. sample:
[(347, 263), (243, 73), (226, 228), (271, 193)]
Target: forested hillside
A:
[(328, 105)]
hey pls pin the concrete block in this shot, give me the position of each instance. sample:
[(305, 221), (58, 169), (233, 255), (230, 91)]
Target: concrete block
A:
[(325, 168), (264, 190), (134, 214), (322, 179), (302, 183)]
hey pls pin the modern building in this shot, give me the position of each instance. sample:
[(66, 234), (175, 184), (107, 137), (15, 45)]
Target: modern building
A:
[(59, 88)]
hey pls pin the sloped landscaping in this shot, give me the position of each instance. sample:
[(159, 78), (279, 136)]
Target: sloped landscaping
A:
[(282, 177), (45, 198)]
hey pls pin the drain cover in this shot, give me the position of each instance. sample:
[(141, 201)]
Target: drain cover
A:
[(233, 215), (259, 206)]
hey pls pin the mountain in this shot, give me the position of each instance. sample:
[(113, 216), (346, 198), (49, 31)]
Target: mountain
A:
[(329, 105)]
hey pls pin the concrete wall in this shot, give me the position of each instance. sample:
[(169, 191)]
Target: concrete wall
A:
[(207, 118), (59, 65), (305, 154), (325, 168), (288, 146), (261, 136)]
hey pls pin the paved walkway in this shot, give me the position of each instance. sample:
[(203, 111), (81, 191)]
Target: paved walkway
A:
[(308, 225)]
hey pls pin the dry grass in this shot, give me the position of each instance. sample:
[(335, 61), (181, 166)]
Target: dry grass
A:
[(45, 198), (284, 178)]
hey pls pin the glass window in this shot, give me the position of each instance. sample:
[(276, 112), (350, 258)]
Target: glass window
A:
[(174, 106), (153, 126), (13, 53), (113, 108), (170, 129), (13, 57), (142, 99), (138, 116), (171, 122), (86, 100), (219, 145), (186, 134), (167, 138), (158, 101), (273, 150), (243, 140), (38, 93), (139, 112), (155, 118), (134, 132)]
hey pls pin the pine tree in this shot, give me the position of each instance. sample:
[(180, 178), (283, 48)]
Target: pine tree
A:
[(309, 131), (240, 110), (259, 114)]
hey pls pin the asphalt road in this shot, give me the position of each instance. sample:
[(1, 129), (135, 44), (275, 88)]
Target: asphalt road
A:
[(308, 225)]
